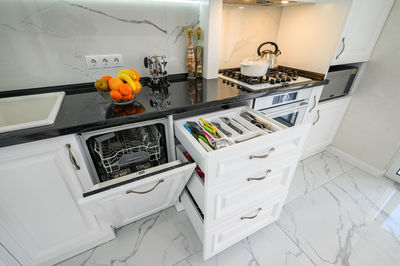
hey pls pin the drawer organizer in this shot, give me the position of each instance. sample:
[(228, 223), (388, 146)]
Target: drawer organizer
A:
[(230, 129)]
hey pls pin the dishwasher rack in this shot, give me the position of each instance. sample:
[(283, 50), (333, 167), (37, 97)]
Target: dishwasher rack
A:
[(127, 147)]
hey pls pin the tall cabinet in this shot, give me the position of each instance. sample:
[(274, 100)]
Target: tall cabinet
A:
[(41, 222)]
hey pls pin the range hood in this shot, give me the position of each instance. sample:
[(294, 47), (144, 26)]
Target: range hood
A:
[(268, 2)]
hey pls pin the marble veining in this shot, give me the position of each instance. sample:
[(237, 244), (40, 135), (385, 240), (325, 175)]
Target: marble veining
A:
[(55, 36), (344, 217)]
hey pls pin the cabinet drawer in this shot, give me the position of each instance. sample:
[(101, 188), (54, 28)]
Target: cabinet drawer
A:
[(242, 225), (195, 184), (235, 160), (226, 201), (126, 203)]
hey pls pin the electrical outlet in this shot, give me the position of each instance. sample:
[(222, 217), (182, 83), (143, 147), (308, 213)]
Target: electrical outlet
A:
[(104, 61), (93, 61), (116, 60)]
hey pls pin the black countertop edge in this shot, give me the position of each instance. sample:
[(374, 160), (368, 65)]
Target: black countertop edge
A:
[(77, 88), (40, 133)]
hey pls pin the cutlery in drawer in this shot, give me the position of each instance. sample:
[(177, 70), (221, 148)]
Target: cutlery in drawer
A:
[(217, 125), (227, 121), (257, 122)]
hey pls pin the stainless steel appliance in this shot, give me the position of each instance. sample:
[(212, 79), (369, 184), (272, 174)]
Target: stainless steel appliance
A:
[(273, 79), (287, 108), (157, 66), (340, 81)]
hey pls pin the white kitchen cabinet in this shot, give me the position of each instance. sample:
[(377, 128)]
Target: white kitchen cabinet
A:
[(328, 116), (41, 221), (364, 23), (245, 184)]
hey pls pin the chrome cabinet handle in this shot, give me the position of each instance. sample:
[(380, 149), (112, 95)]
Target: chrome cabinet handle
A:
[(344, 45), (72, 158), (262, 156), (260, 178), (147, 191), (315, 103), (317, 118), (251, 217)]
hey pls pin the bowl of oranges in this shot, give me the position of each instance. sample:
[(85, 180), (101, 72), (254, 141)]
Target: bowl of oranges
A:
[(120, 90)]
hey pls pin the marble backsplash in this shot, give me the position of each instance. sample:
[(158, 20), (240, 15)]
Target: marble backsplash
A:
[(44, 42), (244, 28)]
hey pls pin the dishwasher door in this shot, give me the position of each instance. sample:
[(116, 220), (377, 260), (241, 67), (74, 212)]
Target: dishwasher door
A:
[(119, 192)]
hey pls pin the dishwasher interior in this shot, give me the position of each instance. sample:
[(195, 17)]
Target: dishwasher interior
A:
[(117, 152)]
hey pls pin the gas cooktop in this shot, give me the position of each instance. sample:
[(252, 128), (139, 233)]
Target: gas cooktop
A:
[(273, 79)]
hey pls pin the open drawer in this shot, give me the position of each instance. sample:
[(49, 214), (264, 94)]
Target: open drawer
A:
[(136, 197), (236, 228), (250, 151)]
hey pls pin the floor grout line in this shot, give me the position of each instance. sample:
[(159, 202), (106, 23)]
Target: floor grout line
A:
[(187, 257)]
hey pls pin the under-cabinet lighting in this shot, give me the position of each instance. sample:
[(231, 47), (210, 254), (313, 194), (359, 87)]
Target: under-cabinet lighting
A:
[(241, 7), (179, 1), (284, 2)]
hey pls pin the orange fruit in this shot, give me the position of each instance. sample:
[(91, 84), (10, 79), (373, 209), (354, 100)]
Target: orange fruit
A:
[(126, 90), (115, 83), (116, 95), (136, 73), (127, 98), (138, 87), (106, 78)]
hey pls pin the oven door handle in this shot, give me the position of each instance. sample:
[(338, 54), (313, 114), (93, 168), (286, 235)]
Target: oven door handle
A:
[(287, 110)]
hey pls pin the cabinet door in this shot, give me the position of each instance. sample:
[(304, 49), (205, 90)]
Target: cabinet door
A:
[(39, 191), (312, 107), (364, 23), (328, 117)]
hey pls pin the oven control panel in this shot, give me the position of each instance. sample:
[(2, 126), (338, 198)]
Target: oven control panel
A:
[(287, 97)]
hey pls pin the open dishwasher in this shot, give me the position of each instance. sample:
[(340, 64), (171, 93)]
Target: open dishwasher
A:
[(133, 171)]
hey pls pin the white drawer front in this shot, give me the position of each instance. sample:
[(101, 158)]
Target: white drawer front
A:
[(236, 159), (127, 203), (242, 225), (226, 201)]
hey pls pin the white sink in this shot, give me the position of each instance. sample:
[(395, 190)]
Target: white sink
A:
[(29, 111)]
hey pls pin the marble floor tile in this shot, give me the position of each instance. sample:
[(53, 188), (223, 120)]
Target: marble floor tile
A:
[(160, 239), (317, 170), (269, 246), (352, 220)]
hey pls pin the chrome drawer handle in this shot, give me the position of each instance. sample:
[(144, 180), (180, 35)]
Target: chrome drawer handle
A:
[(317, 118), (344, 46), (251, 217), (72, 158), (259, 178), (147, 191), (315, 104), (262, 156)]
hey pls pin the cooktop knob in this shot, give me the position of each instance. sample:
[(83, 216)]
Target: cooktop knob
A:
[(272, 81), (288, 79), (283, 79), (278, 81)]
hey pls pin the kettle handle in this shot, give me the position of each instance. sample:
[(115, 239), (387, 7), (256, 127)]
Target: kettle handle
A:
[(276, 52)]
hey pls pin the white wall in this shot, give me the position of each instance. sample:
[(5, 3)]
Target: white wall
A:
[(370, 130), (309, 34), (244, 28), (43, 42)]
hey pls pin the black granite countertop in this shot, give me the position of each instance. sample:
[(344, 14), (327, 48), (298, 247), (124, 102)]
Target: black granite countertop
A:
[(83, 109)]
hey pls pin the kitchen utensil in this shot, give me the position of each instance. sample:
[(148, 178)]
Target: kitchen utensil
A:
[(254, 67), (208, 125), (205, 145), (217, 125), (241, 124), (228, 122), (269, 55), (257, 122)]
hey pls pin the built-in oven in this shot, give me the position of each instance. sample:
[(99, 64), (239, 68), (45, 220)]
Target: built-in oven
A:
[(287, 108)]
